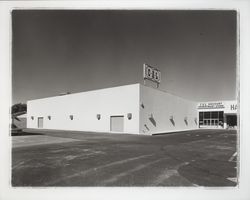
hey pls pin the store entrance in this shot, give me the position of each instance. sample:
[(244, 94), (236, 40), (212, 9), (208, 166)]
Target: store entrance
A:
[(231, 121), (213, 119)]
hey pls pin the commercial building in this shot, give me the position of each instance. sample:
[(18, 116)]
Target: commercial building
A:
[(135, 109), (219, 114)]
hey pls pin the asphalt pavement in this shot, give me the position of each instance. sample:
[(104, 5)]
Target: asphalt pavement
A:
[(190, 158)]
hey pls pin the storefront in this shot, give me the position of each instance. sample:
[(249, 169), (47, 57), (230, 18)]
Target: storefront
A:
[(222, 114)]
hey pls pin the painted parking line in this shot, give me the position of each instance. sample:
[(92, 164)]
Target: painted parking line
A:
[(167, 173), (91, 170), (232, 157), (233, 179), (123, 174)]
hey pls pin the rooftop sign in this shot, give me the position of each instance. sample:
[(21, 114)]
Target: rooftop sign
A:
[(151, 73)]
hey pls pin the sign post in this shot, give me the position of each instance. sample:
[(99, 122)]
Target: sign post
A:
[(152, 74)]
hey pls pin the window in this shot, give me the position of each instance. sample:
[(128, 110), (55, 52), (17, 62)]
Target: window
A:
[(207, 115), (201, 115), (214, 118), (221, 114), (215, 115), (221, 117)]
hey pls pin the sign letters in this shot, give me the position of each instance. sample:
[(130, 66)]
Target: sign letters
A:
[(151, 73), (233, 107), (211, 105)]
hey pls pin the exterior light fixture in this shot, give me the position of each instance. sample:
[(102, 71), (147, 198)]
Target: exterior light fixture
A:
[(129, 115), (49, 117), (71, 117), (98, 116), (32, 117)]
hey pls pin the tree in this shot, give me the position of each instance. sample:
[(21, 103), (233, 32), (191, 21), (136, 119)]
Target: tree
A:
[(17, 110)]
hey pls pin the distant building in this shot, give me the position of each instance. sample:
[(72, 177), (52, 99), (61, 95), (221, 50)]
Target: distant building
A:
[(135, 109), (221, 114)]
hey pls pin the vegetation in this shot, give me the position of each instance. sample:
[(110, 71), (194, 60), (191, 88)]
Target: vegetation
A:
[(17, 110)]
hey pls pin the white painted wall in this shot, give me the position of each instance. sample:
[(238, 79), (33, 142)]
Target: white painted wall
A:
[(230, 107), (84, 107), (115, 101), (163, 105)]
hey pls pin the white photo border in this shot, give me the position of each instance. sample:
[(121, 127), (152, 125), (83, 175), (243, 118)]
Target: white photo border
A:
[(243, 91)]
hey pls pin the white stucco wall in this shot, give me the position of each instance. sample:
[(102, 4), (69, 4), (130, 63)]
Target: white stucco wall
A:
[(161, 106), (84, 107)]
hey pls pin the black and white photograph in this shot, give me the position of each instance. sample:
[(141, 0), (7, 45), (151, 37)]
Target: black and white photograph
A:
[(134, 98), (124, 98)]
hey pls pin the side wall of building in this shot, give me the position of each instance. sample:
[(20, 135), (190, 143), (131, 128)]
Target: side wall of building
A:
[(84, 107), (161, 112)]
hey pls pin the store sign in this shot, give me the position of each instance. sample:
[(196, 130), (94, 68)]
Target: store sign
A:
[(151, 73), (226, 106), (211, 105), (233, 107)]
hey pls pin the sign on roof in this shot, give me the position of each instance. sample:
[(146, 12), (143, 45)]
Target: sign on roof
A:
[(151, 73)]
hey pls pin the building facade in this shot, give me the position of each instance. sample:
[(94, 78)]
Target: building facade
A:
[(135, 109), (219, 114)]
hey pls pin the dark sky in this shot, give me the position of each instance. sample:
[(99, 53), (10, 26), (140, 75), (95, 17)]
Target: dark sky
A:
[(59, 51)]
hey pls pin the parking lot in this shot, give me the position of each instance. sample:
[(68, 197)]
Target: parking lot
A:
[(63, 158)]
